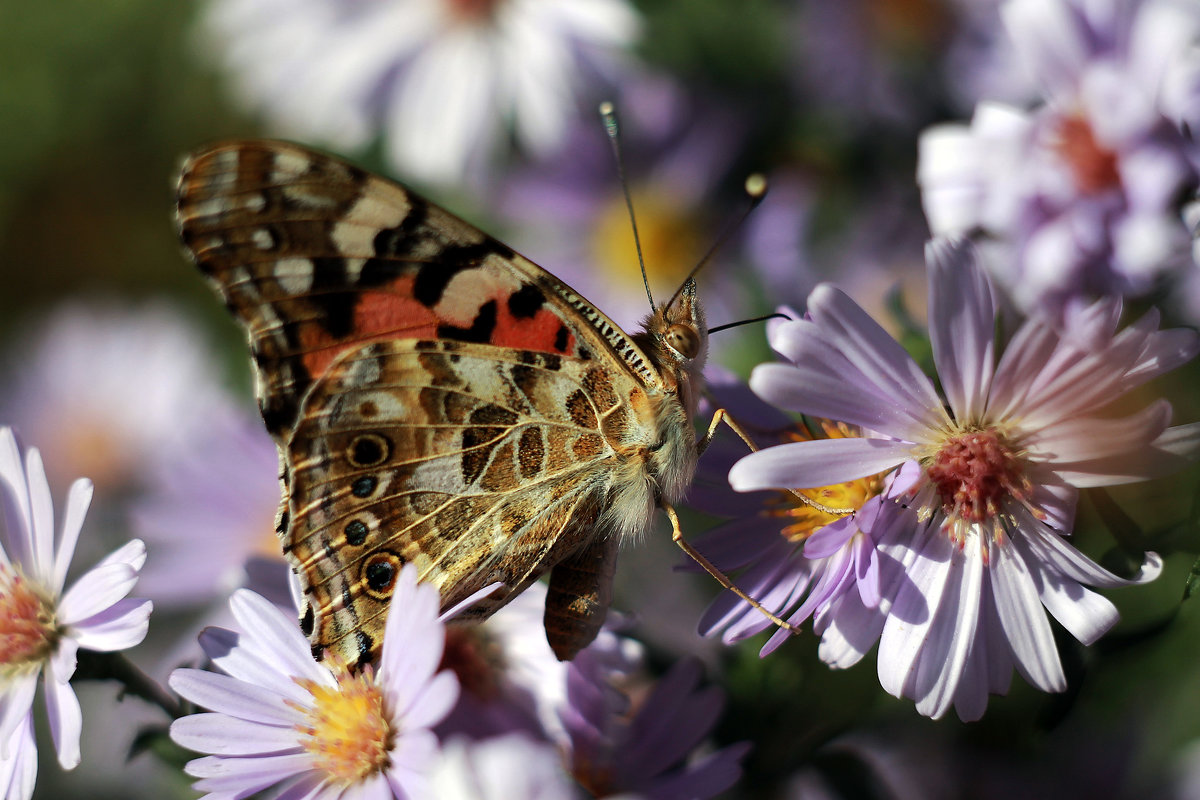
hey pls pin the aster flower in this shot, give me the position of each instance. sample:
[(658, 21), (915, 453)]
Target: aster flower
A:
[(209, 511), (441, 79), (988, 479), (317, 730), (510, 678), (502, 768), (1082, 193), (42, 627), (646, 753), (106, 391), (795, 553)]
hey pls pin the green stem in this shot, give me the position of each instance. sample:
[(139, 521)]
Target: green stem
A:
[(116, 667)]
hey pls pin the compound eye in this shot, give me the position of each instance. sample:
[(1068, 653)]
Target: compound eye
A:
[(684, 340)]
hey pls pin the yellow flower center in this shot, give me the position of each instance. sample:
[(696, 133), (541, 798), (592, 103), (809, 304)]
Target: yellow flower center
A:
[(29, 630), (348, 730), (974, 472), (809, 510), (670, 241)]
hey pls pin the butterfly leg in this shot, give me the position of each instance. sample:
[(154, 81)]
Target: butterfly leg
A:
[(722, 578), (719, 416)]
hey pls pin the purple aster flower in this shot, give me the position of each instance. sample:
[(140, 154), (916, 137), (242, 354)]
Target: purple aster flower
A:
[(42, 627), (209, 511), (986, 481), (317, 731), (1081, 194), (106, 391), (645, 753), (797, 552), (510, 678), (442, 80), (569, 213)]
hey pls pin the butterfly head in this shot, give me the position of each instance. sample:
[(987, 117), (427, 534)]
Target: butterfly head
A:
[(678, 342)]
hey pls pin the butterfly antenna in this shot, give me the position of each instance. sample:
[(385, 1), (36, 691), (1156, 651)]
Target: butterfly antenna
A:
[(764, 318), (609, 115), (756, 190)]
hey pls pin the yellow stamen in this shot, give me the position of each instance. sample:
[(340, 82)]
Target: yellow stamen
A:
[(348, 730)]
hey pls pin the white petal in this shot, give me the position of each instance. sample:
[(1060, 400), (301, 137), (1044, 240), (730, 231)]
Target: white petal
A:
[(120, 627), (229, 654), (229, 736), (41, 508), (1024, 621), (944, 657), (78, 499), (96, 590), (962, 322), (912, 612), (822, 462), (18, 762), (1084, 613), (16, 700), (274, 637), (66, 720), (266, 705)]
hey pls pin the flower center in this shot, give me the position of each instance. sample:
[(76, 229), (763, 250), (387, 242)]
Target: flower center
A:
[(473, 10), (809, 510), (28, 629), (347, 731), (476, 659), (1094, 167), (974, 472), (670, 244)]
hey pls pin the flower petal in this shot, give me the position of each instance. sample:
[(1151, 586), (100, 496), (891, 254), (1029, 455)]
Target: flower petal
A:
[(222, 734), (275, 638), (962, 323), (1019, 608), (265, 705), (79, 497), (822, 462), (119, 627), (97, 589), (66, 720)]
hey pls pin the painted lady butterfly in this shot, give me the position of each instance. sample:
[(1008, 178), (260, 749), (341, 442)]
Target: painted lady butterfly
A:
[(437, 398)]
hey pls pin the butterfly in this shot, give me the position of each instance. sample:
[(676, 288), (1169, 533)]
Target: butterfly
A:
[(437, 398)]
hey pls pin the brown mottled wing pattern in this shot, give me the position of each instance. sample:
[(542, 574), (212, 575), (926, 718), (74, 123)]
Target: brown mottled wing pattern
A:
[(477, 464), (315, 256), (321, 262)]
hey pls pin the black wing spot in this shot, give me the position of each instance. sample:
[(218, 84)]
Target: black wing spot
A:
[(364, 486), (481, 328), (356, 532), (526, 301)]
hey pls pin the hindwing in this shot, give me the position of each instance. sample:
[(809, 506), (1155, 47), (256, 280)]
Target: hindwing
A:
[(477, 464)]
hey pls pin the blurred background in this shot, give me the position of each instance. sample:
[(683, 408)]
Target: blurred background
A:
[(120, 364)]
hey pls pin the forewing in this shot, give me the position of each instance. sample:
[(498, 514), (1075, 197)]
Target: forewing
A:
[(315, 256), (476, 463)]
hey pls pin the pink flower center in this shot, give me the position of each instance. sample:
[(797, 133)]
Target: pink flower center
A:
[(974, 472), (1094, 167), (28, 629), (473, 10), (475, 659), (347, 730)]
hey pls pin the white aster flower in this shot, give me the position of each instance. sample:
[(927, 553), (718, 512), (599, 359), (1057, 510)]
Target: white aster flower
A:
[(440, 79), (41, 626), (987, 479)]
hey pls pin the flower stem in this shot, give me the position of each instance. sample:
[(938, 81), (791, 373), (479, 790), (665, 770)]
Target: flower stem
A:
[(115, 666)]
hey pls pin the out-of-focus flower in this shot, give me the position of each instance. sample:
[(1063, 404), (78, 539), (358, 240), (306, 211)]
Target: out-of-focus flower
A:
[(988, 479), (511, 679), (108, 392), (646, 752), (210, 509), (318, 731), (442, 80), (1083, 193), (501, 768), (570, 213), (42, 627)]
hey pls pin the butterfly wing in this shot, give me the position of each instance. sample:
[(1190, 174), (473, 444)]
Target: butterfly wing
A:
[(320, 261), (478, 464), (315, 256)]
